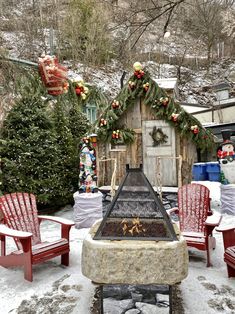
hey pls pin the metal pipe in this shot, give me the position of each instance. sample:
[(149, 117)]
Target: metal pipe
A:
[(21, 61), (122, 78)]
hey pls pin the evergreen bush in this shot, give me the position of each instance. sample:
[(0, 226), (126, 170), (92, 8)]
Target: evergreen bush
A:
[(39, 148)]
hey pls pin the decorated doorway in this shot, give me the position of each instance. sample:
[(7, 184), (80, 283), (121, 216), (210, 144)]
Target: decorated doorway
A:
[(159, 141)]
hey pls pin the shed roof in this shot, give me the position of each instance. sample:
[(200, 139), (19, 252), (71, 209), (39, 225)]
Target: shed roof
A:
[(221, 86)]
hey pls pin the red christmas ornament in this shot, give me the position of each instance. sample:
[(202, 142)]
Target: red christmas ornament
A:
[(139, 74), (195, 129), (116, 134), (103, 122), (164, 101), (174, 116), (115, 104), (78, 90)]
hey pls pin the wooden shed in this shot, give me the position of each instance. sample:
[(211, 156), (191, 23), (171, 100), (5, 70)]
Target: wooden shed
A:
[(144, 125)]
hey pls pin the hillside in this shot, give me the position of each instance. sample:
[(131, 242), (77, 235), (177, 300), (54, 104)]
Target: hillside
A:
[(29, 28)]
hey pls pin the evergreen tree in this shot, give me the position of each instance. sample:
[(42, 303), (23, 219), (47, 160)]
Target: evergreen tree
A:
[(39, 144), (31, 156), (69, 161), (78, 123)]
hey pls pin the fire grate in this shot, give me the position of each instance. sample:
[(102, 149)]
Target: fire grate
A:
[(136, 212)]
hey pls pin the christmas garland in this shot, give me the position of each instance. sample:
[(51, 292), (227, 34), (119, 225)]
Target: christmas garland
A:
[(140, 85)]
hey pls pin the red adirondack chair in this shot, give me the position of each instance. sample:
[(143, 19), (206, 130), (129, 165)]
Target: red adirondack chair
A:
[(229, 248), (22, 222), (196, 220)]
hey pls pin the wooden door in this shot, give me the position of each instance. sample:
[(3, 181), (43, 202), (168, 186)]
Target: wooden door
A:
[(150, 152)]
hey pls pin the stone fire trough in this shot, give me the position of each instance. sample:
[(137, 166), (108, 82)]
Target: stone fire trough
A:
[(149, 249), (134, 262)]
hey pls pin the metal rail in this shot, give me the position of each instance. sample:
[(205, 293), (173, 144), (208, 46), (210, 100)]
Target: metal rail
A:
[(21, 61)]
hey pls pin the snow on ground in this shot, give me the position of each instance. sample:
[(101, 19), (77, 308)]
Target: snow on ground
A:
[(58, 289), (50, 280)]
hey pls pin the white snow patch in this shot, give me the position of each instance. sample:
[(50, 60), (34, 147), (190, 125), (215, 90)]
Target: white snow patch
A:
[(203, 291)]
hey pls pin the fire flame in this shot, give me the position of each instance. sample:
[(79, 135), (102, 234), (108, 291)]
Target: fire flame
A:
[(133, 227)]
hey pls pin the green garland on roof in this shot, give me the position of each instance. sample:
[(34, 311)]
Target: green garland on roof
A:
[(140, 85), (83, 93)]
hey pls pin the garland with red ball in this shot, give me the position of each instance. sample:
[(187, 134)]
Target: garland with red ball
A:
[(140, 85)]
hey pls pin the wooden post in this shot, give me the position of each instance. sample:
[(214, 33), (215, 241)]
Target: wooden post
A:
[(159, 181), (113, 178)]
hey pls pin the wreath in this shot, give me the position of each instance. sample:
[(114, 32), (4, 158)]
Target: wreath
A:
[(158, 136)]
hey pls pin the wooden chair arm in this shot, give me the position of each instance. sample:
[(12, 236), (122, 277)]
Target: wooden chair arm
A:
[(225, 228), (228, 235), (59, 220), (65, 224), (4, 230), (172, 210), (213, 220)]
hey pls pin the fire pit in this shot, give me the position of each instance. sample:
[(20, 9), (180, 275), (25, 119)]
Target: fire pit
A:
[(134, 228), (157, 252), (136, 212)]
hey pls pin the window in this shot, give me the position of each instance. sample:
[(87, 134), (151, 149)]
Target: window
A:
[(90, 111)]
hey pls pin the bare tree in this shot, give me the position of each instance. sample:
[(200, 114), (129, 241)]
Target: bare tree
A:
[(94, 30), (141, 15), (205, 21), (84, 34)]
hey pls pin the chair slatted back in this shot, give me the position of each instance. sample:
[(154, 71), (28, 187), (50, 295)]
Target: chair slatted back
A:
[(20, 213), (194, 205)]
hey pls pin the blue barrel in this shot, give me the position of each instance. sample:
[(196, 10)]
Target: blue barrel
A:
[(199, 172), (213, 170)]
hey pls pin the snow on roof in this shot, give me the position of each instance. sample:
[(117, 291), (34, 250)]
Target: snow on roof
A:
[(192, 108), (166, 83)]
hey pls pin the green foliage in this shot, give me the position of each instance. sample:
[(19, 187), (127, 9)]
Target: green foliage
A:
[(69, 159), (97, 97), (78, 123), (154, 97), (31, 156), (39, 146)]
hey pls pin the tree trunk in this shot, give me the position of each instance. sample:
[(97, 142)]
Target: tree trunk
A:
[(209, 56)]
